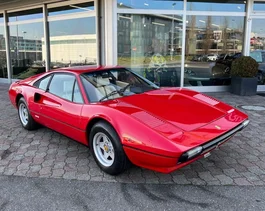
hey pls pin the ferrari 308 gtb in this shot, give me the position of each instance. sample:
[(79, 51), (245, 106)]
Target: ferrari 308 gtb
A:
[(124, 118)]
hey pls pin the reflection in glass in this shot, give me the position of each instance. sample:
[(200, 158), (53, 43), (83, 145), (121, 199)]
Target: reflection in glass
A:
[(212, 43), (259, 6), (226, 6), (71, 8), (25, 15), (151, 45), (3, 68), (257, 47), (151, 4), (72, 45), (257, 40), (26, 49)]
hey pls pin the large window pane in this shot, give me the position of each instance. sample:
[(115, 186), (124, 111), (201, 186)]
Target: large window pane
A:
[(3, 69), (151, 46), (211, 43), (26, 49), (151, 4), (73, 42), (222, 5)]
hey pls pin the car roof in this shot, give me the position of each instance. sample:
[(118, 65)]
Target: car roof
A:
[(85, 68)]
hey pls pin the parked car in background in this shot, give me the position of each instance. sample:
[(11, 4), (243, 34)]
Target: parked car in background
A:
[(218, 72), (223, 64), (212, 57), (204, 57), (199, 58)]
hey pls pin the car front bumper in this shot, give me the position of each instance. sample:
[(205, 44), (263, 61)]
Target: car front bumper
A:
[(166, 164)]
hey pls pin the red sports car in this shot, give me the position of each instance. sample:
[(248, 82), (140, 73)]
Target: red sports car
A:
[(124, 118)]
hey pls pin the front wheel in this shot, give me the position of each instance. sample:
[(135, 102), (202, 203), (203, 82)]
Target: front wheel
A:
[(107, 149), (25, 118)]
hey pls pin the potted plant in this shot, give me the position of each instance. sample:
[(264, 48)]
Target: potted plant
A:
[(244, 72)]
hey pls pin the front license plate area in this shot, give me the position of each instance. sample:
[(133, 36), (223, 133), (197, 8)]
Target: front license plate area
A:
[(206, 155)]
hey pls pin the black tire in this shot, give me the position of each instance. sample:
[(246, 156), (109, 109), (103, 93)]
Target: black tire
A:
[(261, 78), (120, 161), (31, 124)]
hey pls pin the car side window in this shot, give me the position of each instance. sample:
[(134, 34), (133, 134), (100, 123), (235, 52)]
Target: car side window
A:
[(77, 96), (62, 86), (43, 83)]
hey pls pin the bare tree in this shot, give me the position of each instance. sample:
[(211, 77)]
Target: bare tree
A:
[(225, 35), (208, 41), (191, 36)]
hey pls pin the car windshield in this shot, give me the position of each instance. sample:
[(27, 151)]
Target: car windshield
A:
[(114, 83), (259, 56)]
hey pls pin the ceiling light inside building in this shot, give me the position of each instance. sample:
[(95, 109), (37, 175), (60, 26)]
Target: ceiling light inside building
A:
[(82, 8), (120, 16), (160, 24), (215, 25)]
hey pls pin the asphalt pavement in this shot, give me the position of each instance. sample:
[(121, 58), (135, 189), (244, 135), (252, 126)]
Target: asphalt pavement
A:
[(21, 193)]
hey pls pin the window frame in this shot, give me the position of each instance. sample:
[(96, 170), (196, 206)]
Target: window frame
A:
[(77, 84)]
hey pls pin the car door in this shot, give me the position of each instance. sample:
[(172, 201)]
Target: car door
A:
[(61, 105), (39, 88)]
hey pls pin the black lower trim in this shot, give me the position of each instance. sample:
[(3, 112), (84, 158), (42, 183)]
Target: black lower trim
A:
[(219, 140), (215, 142)]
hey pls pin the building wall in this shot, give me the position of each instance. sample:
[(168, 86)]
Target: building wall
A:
[(72, 49)]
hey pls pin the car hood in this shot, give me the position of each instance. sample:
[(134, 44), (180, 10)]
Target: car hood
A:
[(186, 110)]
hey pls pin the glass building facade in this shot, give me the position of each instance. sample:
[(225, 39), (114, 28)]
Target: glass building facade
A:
[(175, 43)]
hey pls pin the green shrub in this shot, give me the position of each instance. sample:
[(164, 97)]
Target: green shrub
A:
[(244, 67)]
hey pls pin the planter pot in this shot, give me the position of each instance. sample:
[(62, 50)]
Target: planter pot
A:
[(244, 86)]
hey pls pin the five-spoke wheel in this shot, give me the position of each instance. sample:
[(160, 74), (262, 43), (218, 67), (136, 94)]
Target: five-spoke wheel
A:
[(103, 148), (24, 116), (107, 149)]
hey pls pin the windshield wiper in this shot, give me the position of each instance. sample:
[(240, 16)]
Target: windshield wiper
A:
[(120, 92), (110, 94)]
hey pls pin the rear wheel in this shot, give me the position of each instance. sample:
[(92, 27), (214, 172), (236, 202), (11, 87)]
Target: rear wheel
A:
[(25, 118), (107, 149)]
